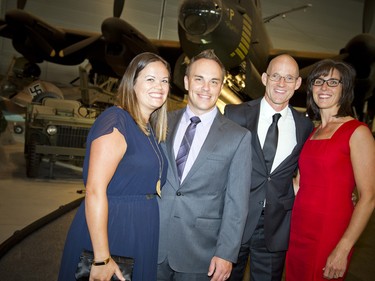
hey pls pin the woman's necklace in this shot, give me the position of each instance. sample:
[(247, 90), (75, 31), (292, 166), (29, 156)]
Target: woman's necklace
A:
[(160, 158)]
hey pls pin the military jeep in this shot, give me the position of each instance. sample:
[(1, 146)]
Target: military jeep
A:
[(56, 130)]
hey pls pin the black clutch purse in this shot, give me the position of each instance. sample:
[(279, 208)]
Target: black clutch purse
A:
[(125, 264)]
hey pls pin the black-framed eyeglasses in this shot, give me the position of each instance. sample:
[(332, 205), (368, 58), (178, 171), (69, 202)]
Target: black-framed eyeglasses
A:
[(276, 77), (332, 82)]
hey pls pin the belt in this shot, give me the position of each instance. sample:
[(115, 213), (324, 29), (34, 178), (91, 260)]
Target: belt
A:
[(151, 196), (133, 197)]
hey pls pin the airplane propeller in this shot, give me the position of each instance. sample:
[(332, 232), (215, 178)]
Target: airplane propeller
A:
[(368, 15), (21, 4), (3, 25), (78, 46), (43, 44), (118, 6)]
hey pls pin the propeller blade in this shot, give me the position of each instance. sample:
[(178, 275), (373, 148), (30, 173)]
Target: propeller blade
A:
[(368, 15), (21, 4), (118, 7), (44, 45), (78, 46), (2, 27)]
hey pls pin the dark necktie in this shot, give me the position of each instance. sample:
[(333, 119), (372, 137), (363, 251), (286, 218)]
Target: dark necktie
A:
[(184, 149), (270, 143)]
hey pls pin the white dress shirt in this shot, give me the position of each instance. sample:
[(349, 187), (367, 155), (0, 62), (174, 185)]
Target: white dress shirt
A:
[(201, 133), (287, 131)]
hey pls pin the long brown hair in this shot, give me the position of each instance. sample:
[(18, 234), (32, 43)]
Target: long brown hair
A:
[(127, 98)]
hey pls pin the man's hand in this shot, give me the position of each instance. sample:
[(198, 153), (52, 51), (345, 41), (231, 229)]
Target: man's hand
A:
[(219, 269)]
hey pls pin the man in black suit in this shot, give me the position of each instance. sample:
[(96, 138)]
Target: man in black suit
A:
[(266, 233)]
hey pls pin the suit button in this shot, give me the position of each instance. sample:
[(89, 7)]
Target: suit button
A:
[(178, 193), (269, 179)]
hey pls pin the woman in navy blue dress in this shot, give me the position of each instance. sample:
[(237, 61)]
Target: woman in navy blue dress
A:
[(123, 170)]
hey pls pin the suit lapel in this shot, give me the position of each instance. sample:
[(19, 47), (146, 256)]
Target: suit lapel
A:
[(299, 138), (252, 119), (299, 133), (173, 122)]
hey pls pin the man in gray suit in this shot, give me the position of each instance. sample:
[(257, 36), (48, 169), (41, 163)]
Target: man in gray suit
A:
[(266, 233), (203, 210)]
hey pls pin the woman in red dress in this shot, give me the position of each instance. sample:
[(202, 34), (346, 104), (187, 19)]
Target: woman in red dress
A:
[(338, 157)]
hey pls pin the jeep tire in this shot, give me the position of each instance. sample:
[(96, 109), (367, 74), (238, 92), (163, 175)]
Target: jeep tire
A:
[(32, 159)]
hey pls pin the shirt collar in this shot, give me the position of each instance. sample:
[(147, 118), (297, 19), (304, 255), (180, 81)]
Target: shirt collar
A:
[(205, 118), (268, 111)]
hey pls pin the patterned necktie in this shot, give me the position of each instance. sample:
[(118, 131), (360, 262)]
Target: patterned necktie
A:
[(270, 143), (184, 149)]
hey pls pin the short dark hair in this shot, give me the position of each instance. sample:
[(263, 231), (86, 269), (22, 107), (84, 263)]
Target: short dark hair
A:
[(347, 78), (206, 54)]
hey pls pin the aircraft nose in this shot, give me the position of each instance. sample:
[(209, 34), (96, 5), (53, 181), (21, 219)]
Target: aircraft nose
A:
[(199, 17)]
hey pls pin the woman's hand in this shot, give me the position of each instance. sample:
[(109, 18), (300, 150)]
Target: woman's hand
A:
[(105, 272), (336, 264)]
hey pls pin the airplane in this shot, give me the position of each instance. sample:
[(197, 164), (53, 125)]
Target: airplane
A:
[(235, 29), (202, 25), (109, 53), (39, 41)]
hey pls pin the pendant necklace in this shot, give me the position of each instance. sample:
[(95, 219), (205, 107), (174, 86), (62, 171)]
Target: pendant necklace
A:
[(160, 158)]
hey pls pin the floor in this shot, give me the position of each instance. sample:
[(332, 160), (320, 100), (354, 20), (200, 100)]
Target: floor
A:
[(24, 200)]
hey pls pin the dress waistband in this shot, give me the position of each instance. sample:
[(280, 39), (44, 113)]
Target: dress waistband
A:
[(133, 196)]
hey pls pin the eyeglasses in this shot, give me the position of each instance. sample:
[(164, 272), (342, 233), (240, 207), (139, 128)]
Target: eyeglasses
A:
[(330, 82), (276, 77)]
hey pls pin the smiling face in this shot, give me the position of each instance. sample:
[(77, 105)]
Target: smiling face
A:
[(151, 87), (203, 83), (327, 97), (278, 93)]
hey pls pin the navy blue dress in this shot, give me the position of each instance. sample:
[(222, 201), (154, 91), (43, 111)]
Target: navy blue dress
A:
[(133, 215)]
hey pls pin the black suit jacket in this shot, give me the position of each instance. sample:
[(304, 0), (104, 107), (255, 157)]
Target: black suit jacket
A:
[(276, 187)]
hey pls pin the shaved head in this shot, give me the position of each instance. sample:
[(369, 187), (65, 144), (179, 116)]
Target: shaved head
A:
[(283, 59), (278, 92)]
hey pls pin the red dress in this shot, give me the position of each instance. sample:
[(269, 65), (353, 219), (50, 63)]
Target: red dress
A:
[(323, 205)]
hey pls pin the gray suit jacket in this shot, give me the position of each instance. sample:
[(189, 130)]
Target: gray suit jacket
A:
[(277, 187), (205, 216)]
